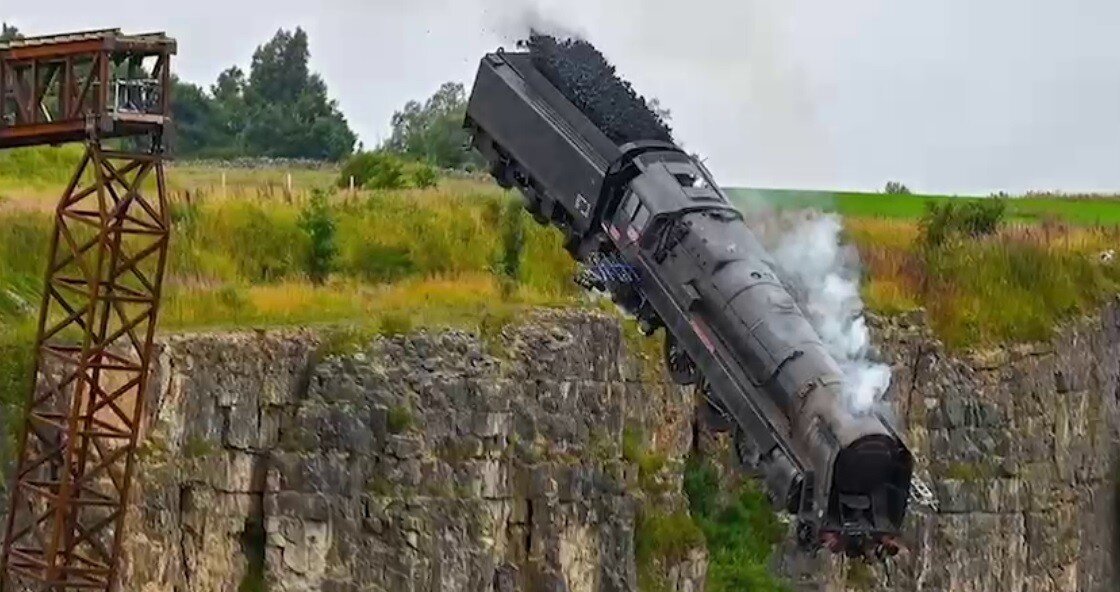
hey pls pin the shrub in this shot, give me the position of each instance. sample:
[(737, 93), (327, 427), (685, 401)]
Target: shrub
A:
[(317, 222), (948, 219), (739, 526), (373, 170), (424, 176), (661, 540)]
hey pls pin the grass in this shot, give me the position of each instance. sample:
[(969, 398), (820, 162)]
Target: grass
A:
[(399, 419), (460, 255), (650, 463), (739, 528), (911, 207), (662, 539), (408, 259), (1015, 285)]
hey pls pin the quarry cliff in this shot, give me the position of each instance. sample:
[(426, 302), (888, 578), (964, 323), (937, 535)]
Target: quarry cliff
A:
[(298, 460)]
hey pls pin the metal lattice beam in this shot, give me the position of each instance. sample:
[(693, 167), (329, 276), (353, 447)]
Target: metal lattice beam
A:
[(100, 305)]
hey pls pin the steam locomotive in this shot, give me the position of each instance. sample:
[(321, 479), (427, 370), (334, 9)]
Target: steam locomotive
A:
[(673, 251)]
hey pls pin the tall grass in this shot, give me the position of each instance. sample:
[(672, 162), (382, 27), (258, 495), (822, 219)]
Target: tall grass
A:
[(1029, 208), (40, 167), (1014, 285), (246, 260)]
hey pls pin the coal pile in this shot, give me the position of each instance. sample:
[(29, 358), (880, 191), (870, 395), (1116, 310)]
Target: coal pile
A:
[(590, 82)]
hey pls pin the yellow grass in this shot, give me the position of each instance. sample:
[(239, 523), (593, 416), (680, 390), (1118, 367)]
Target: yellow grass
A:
[(447, 301)]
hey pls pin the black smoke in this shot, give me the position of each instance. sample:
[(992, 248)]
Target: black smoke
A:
[(591, 83)]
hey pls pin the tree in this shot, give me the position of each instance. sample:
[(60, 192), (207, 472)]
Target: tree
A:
[(317, 221), (433, 131), (289, 111), (279, 72), (193, 114), (896, 188), (9, 32), (280, 109)]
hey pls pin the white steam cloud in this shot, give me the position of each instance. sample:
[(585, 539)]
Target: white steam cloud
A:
[(824, 275)]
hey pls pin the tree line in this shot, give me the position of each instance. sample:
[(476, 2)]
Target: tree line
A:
[(280, 108)]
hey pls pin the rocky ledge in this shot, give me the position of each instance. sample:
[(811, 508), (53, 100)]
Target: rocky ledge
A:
[(290, 461), (302, 461)]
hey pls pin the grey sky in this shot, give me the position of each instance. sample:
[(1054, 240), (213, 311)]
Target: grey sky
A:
[(956, 95)]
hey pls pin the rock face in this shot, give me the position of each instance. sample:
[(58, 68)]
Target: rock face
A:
[(443, 462), (1021, 447), (425, 463)]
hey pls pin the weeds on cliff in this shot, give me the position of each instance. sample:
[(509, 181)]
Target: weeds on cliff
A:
[(397, 322), (513, 239), (197, 447), (739, 527), (399, 419), (859, 576), (647, 349), (662, 540), (968, 471), (244, 260), (636, 450), (491, 324)]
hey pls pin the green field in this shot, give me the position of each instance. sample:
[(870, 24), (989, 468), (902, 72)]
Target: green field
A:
[(877, 205)]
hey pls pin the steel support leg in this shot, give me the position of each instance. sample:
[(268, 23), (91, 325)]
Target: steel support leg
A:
[(69, 492)]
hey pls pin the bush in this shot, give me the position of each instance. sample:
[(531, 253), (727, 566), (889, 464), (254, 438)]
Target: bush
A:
[(424, 177), (896, 188), (661, 540), (317, 221), (948, 219), (739, 526), (373, 170)]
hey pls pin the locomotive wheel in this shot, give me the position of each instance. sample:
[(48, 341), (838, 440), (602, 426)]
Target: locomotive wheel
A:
[(681, 367)]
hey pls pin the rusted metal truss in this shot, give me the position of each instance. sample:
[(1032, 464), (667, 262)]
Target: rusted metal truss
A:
[(66, 517), (64, 527), (64, 87)]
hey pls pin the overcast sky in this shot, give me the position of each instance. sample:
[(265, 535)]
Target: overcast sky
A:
[(960, 96)]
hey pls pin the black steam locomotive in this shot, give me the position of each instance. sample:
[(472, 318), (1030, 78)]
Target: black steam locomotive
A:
[(665, 241)]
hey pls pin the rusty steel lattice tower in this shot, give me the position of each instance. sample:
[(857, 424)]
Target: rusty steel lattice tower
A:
[(65, 521)]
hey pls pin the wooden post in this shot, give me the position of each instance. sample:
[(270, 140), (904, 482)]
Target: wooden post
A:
[(223, 185)]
